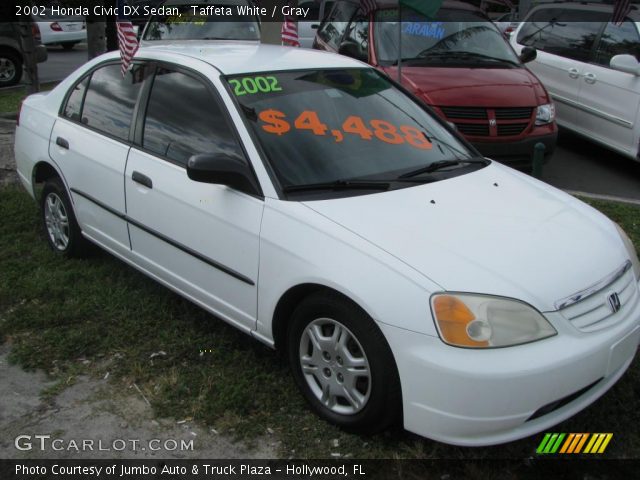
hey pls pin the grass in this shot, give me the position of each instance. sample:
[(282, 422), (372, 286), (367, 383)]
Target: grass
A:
[(10, 98), (93, 316)]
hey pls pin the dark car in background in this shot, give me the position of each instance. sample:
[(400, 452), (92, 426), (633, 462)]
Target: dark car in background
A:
[(11, 56), (461, 65)]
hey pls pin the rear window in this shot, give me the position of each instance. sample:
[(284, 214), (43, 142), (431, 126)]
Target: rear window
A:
[(190, 26)]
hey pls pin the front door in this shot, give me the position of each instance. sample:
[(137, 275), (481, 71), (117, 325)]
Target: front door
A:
[(202, 239)]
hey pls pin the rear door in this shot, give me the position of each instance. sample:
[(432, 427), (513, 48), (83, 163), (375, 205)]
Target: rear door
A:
[(201, 238), (90, 143), (610, 98)]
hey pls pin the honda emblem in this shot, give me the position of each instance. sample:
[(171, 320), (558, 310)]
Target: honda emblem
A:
[(614, 302)]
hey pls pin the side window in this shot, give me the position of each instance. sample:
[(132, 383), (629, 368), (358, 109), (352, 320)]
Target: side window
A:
[(616, 40), (183, 119), (73, 108), (337, 21), (555, 31), (358, 33), (110, 99)]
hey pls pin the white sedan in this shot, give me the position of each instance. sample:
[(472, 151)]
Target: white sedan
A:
[(64, 31), (308, 201)]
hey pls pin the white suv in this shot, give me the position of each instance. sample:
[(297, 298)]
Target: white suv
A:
[(590, 67)]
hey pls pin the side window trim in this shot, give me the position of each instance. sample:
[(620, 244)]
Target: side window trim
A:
[(89, 76), (139, 120)]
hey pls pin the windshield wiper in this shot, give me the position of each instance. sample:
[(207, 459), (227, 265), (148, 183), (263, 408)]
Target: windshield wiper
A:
[(339, 185), (441, 164)]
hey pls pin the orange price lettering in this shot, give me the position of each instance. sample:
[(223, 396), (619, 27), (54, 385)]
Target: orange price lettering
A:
[(308, 120), (274, 120)]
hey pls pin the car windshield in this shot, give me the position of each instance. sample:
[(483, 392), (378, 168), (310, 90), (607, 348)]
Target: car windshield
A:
[(340, 125), (457, 37), (191, 25)]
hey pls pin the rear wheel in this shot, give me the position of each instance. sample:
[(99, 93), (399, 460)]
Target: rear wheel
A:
[(60, 225), (343, 364), (68, 45), (10, 68)]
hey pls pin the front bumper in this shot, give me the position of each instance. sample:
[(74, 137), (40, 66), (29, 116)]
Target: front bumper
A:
[(518, 154), (485, 397)]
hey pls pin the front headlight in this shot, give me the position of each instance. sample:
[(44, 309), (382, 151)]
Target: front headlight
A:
[(545, 114), (631, 250), (483, 321)]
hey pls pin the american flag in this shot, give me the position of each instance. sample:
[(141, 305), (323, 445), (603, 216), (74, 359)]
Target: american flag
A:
[(289, 32), (368, 6), (127, 40), (620, 11)]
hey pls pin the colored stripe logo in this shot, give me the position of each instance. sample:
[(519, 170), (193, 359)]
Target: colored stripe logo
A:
[(574, 443)]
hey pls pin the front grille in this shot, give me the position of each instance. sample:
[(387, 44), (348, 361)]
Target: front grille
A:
[(489, 122), (508, 129), (594, 313), (475, 129), (475, 113), (523, 113)]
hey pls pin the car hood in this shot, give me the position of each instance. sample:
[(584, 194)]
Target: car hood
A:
[(493, 231), (478, 87)]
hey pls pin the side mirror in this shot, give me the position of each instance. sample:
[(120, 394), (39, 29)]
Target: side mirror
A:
[(528, 54), (222, 169), (351, 49), (625, 63)]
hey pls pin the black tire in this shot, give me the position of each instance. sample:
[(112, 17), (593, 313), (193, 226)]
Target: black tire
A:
[(55, 206), (383, 406), (68, 45), (10, 68)]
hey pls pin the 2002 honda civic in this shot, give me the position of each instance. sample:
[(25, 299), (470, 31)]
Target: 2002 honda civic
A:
[(311, 202)]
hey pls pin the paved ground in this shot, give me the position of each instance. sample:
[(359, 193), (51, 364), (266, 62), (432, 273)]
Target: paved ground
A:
[(60, 63), (583, 166)]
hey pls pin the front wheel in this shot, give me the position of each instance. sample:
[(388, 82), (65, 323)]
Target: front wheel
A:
[(343, 364), (60, 224)]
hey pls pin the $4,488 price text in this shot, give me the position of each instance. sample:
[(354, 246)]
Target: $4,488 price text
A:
[(275, 122)]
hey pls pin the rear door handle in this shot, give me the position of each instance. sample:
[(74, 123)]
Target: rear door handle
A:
[(61, 142), (590, 78), (142, 179), (574, 72)]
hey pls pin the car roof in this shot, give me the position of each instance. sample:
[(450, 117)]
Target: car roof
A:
[(586, 6), (235, 57)]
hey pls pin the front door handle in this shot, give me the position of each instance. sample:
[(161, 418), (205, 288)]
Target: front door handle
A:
[(590, 78), (142, 179), (574, 72), (61, 142)]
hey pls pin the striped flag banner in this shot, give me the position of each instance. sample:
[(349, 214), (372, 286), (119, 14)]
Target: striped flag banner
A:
[(620, 11), (574, 443), (127, 40), (289, 31)]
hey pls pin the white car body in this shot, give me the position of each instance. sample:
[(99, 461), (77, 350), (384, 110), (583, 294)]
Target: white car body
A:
[(593, 100), (62, 31), (494, 231)]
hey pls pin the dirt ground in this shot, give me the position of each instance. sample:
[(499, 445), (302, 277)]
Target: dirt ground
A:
[(97, 410), (93, 409)]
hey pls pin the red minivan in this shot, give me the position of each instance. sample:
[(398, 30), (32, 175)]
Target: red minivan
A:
[(460, 65)]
